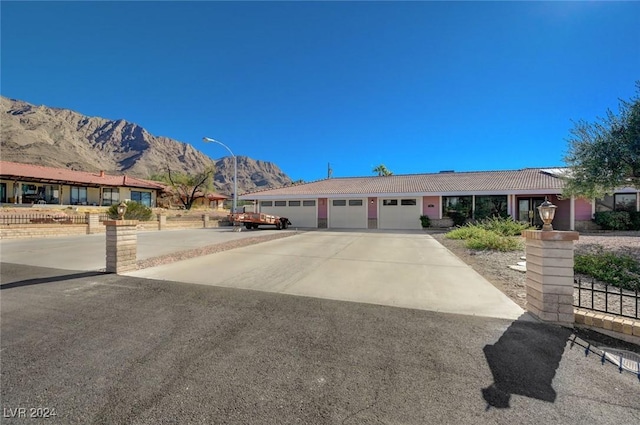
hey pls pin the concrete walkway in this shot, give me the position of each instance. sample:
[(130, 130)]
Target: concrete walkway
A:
[(88, 252), (402, 269)]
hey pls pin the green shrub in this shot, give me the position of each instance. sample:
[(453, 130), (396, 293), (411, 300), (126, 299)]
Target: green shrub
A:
[(459, 218), (504, 226), (489, 240), (635, 220), (465, 232), (135, 211), (425, 221), (613, 220), (497, 237), (615, 269)]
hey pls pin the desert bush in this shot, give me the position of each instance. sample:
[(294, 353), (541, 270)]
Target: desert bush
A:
[(425, 221), (609, 267), (488, 240), (504, 226), (135, 211), (465, 232), (613, 220), (492, 234), (635, 220)]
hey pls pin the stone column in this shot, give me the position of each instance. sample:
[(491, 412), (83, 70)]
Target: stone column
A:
[(93, 223), (122, 239), (205, 220), (162, 221), (549, 280)]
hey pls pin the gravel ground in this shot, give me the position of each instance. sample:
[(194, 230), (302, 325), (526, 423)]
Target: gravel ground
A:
[(494, 266)]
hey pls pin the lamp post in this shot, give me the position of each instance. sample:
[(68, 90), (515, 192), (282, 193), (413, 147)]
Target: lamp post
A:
[(235, 171), (547, 212), (122, 210)]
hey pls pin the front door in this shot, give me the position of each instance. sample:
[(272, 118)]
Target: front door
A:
[(3, 192), (528, 211)]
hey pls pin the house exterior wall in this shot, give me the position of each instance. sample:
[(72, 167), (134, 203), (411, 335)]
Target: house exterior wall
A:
[(583, 209), (562, 220)]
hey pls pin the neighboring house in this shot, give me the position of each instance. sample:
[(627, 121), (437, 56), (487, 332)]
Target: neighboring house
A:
[(397, 201), (35, 184)]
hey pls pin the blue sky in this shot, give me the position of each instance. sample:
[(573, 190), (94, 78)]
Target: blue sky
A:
[(418, 86)]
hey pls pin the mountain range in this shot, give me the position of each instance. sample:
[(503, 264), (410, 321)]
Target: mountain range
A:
[(63, 138)]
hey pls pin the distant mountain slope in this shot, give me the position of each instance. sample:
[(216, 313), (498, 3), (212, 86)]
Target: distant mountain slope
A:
[(66, 139)]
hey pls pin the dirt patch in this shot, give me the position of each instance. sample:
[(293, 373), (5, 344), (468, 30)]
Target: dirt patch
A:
[(494, 265)]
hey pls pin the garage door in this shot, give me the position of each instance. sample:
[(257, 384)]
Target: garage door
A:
[(399, 213), (348, 214), (301, 213)]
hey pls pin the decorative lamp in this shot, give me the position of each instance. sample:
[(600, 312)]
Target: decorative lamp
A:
[(547, 212), (122, 209)]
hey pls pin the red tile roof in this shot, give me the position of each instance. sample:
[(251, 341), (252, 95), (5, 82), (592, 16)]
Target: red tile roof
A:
[(497, 182), (11, 170)]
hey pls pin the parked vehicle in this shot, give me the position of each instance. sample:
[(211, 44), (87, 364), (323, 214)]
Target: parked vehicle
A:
[(253, 220)]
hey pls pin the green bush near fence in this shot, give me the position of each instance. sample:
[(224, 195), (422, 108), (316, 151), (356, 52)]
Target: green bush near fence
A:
[(612, 268), (135, 211)]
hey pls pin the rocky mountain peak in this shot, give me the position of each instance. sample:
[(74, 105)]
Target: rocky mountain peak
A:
[(63, 138)]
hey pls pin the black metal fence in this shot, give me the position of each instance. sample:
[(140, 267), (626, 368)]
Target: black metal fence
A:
[(606, 298), (46, 219)]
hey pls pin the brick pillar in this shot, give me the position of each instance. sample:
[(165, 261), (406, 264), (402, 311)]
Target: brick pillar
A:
[(93, 223), (550, 275), (122, 239), (205, 220), (162, 221)]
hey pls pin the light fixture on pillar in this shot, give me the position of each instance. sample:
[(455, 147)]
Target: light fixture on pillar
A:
[(122, 209), (547, 212)]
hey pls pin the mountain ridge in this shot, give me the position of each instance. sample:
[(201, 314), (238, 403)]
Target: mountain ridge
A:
[(62, 138)]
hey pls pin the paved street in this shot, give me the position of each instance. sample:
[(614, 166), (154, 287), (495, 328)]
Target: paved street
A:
[(113, 349), (318, 328)]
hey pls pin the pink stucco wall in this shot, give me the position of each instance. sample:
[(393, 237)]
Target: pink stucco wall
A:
[(434, 211), (372, 208), (322, 208), (583, 209)]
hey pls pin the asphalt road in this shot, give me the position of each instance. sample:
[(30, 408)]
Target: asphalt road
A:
[(108, 349)]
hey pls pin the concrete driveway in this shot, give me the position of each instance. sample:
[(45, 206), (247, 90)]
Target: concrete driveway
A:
[(402, 269)]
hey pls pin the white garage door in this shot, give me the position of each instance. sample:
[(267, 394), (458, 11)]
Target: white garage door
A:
[(348, 214), (399, 213), (301, 213)]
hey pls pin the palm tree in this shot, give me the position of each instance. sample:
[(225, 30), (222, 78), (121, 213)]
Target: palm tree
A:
[(382, 170)]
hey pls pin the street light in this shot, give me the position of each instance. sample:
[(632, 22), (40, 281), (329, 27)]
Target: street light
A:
[(235, 171)]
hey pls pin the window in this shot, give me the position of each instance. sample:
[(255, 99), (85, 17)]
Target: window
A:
[(280, 203), (294, 203), (355, 202), (617, 202), (110, 196), (457, 205), (339, 202), (78, 195), (625, 202), (308, 203), (389, 202), (491, 206), (143, 198), (266, 203), (408, 202)]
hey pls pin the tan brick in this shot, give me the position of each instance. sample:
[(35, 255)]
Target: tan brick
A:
[(627, 327), (588, 318), (608, 323), (636, 329), (550, 271), (617, 325), (579, 317)]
